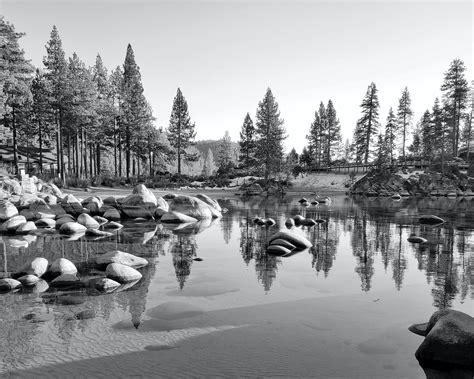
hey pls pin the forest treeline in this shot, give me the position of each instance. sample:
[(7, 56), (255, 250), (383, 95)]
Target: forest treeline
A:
[(98, 120)]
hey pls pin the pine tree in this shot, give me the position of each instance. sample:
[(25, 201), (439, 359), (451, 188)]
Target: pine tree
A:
[(391, 134), (116, 85), (306, 158), (181, 130), (15, 80), (333, 139), (367, 126), (455, 98), (439, 129), (135, 111), (209, 166), (270, 134), (427, 136), (318, 136), (415, 147), (382, 154), (404, 114), (247, 144), (347, 151), (224, 159), (43, 115), (56, 73)]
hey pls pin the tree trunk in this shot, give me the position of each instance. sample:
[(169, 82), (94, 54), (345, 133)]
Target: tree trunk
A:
[(69, 154), (127, 152), (91, 161), (15, 146), (61, 152), (40, 140), (98, 168), (115, 146), (120, 155)]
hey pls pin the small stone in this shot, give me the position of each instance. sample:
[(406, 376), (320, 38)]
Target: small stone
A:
[(45, 223), (87, 221), (9, 284), (176, 218), (112, 214), (417, 239), (12, 223), (289, 223), (98, 233), (430, 220), (298, 219), (122, 258), (36, 266), (28, 280), (72, 228), (113, 225), (105, 284), (63, 266), (26, 227)]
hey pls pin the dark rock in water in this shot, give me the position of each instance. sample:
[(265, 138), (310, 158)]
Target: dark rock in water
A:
[(320, 221), (122, 258), (72, 228), (98, 233), (302, 200), (299, 241), (416, 239), (113, 225), (289, 223), (277, 250), (69, 281), (198, 259), (270, 222), (308, 222), (169, 196), (8, 284), (257, 220), (122, 273), (112, 214), (430, 220), (104, 284), (284, 243), (298, 219), (85, 314), (39, 287), (315, 202), (449, 339)]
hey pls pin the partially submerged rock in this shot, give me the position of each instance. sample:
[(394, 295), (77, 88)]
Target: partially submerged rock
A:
[(430, 220), (9, 284), (299, 241), (193, 207), (449, 339), (7, 210), (36, 266), (87, 221), (175, 217), (122, 258), (122, 273), (416, 239), (72, 228), (62, 266)]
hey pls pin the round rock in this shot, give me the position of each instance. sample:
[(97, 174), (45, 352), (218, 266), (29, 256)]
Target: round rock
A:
[(122, 258), (122, 273)]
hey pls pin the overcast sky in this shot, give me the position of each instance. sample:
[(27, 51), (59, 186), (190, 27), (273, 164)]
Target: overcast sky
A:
[(224, 54)]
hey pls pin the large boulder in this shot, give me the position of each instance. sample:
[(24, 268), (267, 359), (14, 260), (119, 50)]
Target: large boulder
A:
[(122, 258), (112, 214), (192, 207), (7, 210), (174, 217), (72, 228), (62, 266), (298, 241), (71, 205), (141, 196), (449, 339), (26, 227), (36, 266), (12, 224), (122, 273), (211, 202), (134, 211), (87, 221)]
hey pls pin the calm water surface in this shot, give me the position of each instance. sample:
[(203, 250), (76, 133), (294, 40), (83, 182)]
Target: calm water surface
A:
[(339, 309)]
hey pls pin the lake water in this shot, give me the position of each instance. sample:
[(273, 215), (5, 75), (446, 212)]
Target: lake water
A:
[(339, 309)]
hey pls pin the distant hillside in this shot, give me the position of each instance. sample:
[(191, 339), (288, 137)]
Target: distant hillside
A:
[(214, 145)]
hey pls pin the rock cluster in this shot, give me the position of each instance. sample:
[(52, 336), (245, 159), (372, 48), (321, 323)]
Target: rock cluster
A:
[(428, 183)]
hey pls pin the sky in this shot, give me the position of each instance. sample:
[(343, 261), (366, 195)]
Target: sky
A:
[(225, 54)]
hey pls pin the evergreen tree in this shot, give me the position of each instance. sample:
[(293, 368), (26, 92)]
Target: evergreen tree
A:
[(404, 114), (15, 81), (181, 130), (135, 111), (455, 98), (43, 116), (305, 158), (270, 134), (347, 151), (209, 166), (291, 164), (224, 159), (56, 73), (428, 139), (439, 130), (116, 85), (367, 126), (333, 134), (382, 154), (247, 144), (391, 134), (415, 147), (318, 135)]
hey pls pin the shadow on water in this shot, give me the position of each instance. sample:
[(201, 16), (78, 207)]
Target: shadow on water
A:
[(373, 231)]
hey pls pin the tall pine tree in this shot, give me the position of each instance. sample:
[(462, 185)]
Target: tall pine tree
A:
[(333, 134), (404, 114), (247, 144), (367, 126), (16, 79), (391, 135), (181, 130), (455, 99), (427, 136), (56, 73), (270, 134)]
